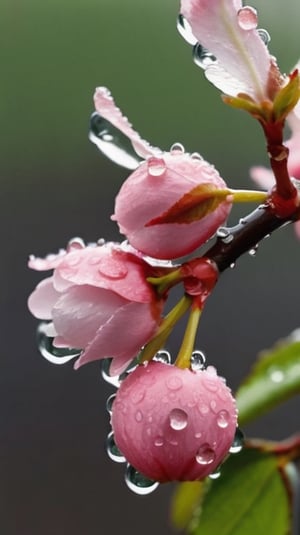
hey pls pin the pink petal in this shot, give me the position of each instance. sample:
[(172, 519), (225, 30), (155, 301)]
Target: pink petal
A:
[(106, 107), (242, 57), (50, 262), (80, 311), (263, 177), (121, 337), (42, 299)]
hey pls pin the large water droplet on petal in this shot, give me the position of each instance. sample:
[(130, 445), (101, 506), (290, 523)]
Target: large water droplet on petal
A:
[(238, 442), (113, 451), (223, 419), (247, 18), (111, 379), (205, 454), (156, 166), (55, 355), (112, 268), (163, 356), (198, 360), (178, 419), (185, 30), (202, 57), (113, 143), (138, 483)]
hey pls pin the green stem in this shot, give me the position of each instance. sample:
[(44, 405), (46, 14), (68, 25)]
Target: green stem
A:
[(184, 356)]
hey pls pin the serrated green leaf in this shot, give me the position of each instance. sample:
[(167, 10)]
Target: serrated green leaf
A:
[(273, 379), (186, 499), (250, 498)]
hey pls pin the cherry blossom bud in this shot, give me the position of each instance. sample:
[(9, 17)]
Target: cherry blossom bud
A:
[(172, 423), (98, 300)]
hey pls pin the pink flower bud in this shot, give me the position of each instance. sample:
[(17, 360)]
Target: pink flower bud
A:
[(172, 423), (99, 301), (153, 189)]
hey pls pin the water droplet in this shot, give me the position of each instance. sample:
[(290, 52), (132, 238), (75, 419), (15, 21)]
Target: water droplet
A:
[(223, 419), (75, 244), (110, 402), (55, 355), (204, 409), (238, 442), (247, 18), (177, 149), (112, 449), (198, 360), (138, 483), (211, 370), (213, 405), (113, 143), (174, 383), (72, 259), (185, 30), (253, 251), (196, 156), (137, 396), (163, 356), (138, 416), (112, 268), (225, 234), (205, 454), (242, 221), (159, 441), (111, 379), (156, 166), (232, 265), (202, 57), (198, 435), (178, 419), (216, 474), (264, 35), (277, 376)]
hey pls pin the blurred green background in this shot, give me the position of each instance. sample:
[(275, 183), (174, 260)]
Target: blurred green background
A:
[(55, 476)]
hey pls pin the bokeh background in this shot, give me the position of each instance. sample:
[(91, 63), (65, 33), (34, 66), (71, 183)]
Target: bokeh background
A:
[(55, 477)]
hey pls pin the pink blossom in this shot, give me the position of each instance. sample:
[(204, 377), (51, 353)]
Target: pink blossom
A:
[(229, 31), (98, 300), (172, 423), (154, 187)]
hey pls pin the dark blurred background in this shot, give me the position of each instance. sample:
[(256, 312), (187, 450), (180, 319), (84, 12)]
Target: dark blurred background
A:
[(55, 477)]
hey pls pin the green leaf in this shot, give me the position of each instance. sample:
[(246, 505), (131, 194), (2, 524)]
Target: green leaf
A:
[(193, 206), (273, 379), (287, 98), (250, 498), (186, 500)]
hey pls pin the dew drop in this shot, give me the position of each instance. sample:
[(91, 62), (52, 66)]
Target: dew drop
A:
[(110, 402), (225, 234), (138, 483), (276, 376), (216, 474), (238, 442), (202, 57), (113, 143), (113, 451), (177, 149), (198, 360), (185, 30), (163, 356), (75, 244), (204, 409), (138, 416), (137, 396), (178, 419), (111, 379), (264, 35), (55, 355), (247, 18), (205, 454), (253, 251), (198, 435), (112, 268), (174, 383), (156, 166), (232, 265), (196, 156), (223, 419), (159, 441)]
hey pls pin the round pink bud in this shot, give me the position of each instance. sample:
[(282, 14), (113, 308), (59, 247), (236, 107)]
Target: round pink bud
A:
[(152, 190), (172, 423)]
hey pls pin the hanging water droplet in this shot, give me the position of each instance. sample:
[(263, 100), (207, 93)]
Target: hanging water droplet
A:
[(202, 57), (225, 234), (101, 241), (178, 419), (163, 356), (138, 483), (196, 156), (75, 244), (247, 18), (156, 166), (110, 402), (113, 143), (223, 419), (177, 149), (238, 442), (111, 379), (113, 451), (205, 454), (55, 355), (276, 375), (253, 251), (264, 35), (216, 474), (198, 361), (185, 30)]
